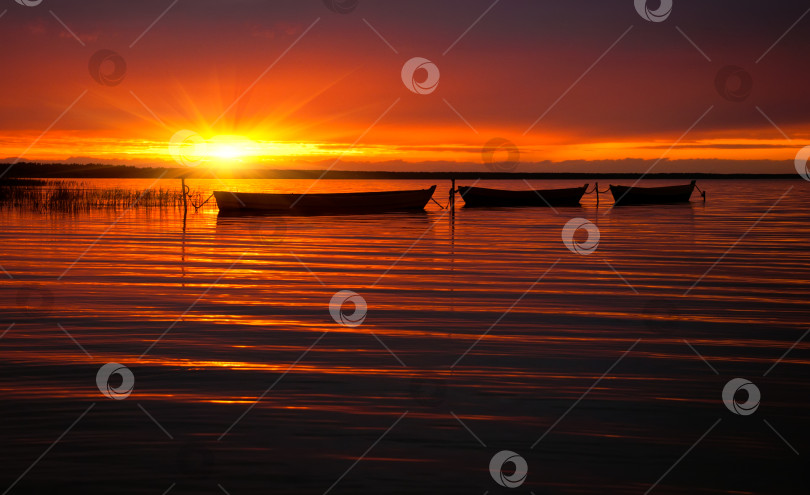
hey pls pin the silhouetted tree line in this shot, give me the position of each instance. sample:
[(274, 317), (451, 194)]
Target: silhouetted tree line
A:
[(101, 171)]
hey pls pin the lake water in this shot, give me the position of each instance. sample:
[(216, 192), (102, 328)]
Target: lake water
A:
[(483, 333)]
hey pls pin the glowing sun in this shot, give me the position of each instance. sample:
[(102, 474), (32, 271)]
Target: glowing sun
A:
[(231, 147)]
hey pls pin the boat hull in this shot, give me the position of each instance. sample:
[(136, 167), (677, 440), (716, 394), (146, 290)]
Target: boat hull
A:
[(323, 203), (624, 195), (482, 196)]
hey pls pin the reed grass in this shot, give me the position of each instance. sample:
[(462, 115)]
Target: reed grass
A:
[(70, 196)]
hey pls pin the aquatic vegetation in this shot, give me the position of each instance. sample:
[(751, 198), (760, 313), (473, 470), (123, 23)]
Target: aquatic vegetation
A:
[(70, 196)]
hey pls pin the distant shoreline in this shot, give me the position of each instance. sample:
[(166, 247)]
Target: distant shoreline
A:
[(78, 171)]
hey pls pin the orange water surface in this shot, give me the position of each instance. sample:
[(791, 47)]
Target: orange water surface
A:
[(483, 333)]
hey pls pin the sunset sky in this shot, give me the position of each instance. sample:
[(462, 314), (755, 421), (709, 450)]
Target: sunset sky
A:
[(205, 67)]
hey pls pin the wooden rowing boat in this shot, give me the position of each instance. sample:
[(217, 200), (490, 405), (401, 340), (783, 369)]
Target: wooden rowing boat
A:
[(483, 196), (624, 195), (324, 203)]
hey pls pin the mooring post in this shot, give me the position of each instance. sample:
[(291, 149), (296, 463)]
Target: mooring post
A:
[(596, 188), (185, 197), (452, 194)]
